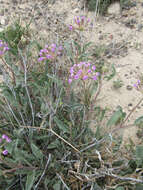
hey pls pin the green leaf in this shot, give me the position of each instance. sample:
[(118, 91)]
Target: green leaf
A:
[(61, 125), (96, 187), (78, 47), (117, 117), (120, 188), (1, 174), (139, 152), (54, 144), (57, 186), (30, 180), (36, 151), (139, 187), (139, 122), (113, 72), (10, 147), (86, 46)]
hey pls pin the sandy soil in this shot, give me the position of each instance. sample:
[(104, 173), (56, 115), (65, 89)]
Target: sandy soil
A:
[(126, 29)]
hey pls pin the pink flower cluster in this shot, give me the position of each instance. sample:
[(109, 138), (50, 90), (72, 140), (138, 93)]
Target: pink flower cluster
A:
[(7, 139), (50, 52), (81, 22), (83, 71), (3, 48)]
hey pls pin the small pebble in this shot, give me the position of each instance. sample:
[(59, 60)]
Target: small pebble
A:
[(140, 27), (130, 104), (129, 87), (2, 21)]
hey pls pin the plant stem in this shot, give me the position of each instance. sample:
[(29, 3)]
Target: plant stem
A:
[(10, 69), (134, 108)]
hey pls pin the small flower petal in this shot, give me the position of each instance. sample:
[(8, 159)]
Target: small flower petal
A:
[(89, 71), (5, 152), (71, 27), (69, 81), (76, 77), (60, 48), (48, 56), (53, 45), (4, 136), (93, 67), (85, 77), (8, 140), (53, 50), (97, 74), (94, 77), (40, 59)]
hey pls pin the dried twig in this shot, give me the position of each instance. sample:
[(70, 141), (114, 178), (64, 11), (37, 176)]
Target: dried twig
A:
[(26, 88), (43, 172), (65, 186), (50, 130)]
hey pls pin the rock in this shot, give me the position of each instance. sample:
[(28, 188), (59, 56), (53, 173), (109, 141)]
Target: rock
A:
[(129, 87), (76, 10), (2, 21), (130, 104), (114, 8), (140, 27), (2, 12)]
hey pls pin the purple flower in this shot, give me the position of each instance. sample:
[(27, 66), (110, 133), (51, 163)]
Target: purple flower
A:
[(60, 48), (135, 85), (88, 20), (41, 59), (97, 74), (42, 51), (89, 71), (5, 152), (93, 67), (53, 45), (94, 77), (71, 27), (138, 82), (80, 64), (88, 64), (76, 77), (48, 56), (85, 77), (1, 52), (46, 46), (6, 48), (79, 72), (6, 138), (45, 50), (53, 50), (71, 70), (82, 18), (77, 20), (40, 54), (69, 81)]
